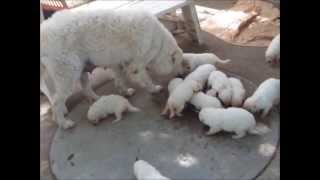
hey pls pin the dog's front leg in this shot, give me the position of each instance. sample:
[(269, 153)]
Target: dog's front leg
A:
[(140, 76), (119, 82)]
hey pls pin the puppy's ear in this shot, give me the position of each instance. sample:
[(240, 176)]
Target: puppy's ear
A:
[(196, 86)]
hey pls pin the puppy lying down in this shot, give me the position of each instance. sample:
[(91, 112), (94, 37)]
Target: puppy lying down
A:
[(191, 60), (220, 86), (145, 171), (180, 96), (201, 74), (200, 100), (231, 119), (107, 105), (238, 92), (265, 97)]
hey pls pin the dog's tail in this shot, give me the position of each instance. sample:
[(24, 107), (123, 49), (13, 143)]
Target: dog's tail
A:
[(259, 129), (132, 108), (226, 61)]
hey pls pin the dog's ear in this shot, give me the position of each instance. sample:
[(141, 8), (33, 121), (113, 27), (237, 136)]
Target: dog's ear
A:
[(177, 56), (186, 65)]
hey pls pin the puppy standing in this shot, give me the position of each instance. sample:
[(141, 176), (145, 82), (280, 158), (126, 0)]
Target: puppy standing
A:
[(111, 104), (191, 60), (266, 95), (145, 171), (201, 100), (219, 83), (238, 92), (231, 119), (201, 74), (180, 96), (273, 51)]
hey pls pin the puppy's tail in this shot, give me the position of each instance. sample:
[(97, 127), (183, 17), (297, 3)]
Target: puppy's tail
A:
[(226, 61), (259, 129), (132, 108)]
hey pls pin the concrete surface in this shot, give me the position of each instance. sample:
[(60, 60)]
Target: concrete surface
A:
[(178, 147), (247, 62)]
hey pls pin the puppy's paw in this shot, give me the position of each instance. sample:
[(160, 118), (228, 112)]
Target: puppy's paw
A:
[(67, 124)]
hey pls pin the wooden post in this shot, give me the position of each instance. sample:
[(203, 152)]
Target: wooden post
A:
[(192, 22), (41, 14)]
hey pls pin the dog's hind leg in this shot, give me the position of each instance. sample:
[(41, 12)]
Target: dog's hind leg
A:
[(87, 87)]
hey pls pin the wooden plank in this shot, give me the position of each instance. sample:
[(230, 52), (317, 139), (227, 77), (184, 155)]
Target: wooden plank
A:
[(192, 22)]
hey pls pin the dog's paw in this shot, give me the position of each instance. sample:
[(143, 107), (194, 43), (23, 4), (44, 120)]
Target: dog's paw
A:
[(67, 124), (130, 91), (156, 89), (94, 122), (115, 121)]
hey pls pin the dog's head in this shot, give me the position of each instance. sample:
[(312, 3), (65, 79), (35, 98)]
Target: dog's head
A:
[(250, 105), (167, 62)]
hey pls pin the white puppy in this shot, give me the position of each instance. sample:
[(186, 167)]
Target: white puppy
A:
[(145, 171), (273, 51), (191, 60), (180, 96), (107, 105), (265, 97), (201, 100), (231, 119), (201, 74), (220, 83), (173, 84), (238, 92)]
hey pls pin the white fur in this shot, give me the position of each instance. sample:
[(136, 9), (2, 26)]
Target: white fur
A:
[(200, 100), (145, 171), (180, 96), (129, 41), (231, 119), (201, 74), (220, 83), (273, 51), (173, 84), (265, 97), (192, 60), (238, 92), (107, 105)]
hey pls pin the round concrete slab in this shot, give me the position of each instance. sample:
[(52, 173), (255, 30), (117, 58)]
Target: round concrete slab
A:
[(178, 148)]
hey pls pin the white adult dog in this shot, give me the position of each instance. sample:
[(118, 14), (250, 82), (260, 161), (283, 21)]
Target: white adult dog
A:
[(265, 97), (220, 86), (193, 60), (201, 74), (107, 105), (145, 171), (273, 51), (180, 96), (232, 119), (238, 92), (73, 43)]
